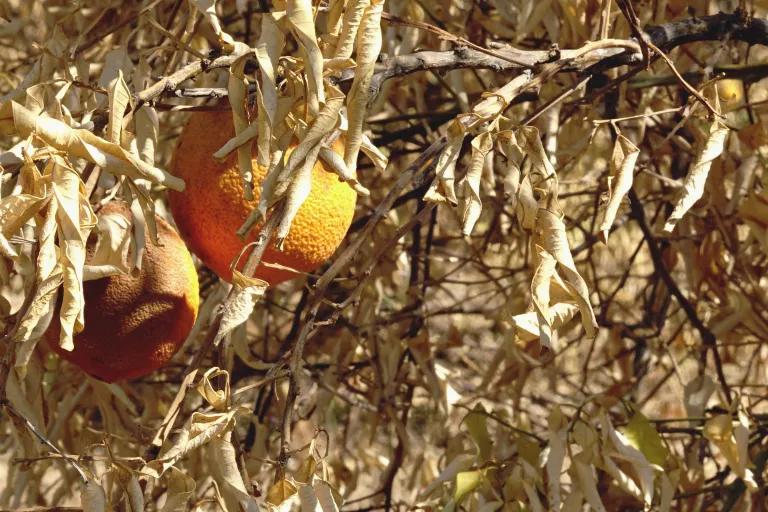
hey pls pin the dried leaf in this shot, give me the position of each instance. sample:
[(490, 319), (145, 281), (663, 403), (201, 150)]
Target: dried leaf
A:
[(75, 219), (733, 444), (623, 161), (181, 489), (308, 499), (335, 162), (693, 186), (494, 103), (696, 395), (35, 320), (239, 306), (208, 8), (353, 15), (298, 192), (119, 100), (301, 17), (470, 185), (268, 49), (221, 456), (281, 491), (237, 88), (543, 177), (584, 477), (625, 451), (457, 465), (114, 244), (379, 159), (527, 324), (368, 49), (92, 497), (551, 235), (199, 430), (555, 455), (328, 498), (442, 188), (540, 295), (80, 143)]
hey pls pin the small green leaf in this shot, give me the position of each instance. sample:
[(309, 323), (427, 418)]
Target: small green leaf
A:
[(466, 482), (529, 450), (477, 425), (643, 436)]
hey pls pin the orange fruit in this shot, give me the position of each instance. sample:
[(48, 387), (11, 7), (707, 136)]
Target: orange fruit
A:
[(212, 207), (731, 91), (134, 324)]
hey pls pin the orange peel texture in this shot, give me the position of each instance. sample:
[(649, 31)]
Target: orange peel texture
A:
[(212, 207)]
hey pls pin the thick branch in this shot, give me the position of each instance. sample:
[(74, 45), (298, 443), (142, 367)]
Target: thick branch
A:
[(170, 83), (734, 26)]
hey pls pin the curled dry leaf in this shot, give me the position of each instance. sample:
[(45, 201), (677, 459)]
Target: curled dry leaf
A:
[(466, 482), (623, 450), (460, 463), (696, 394), (733, 443), (336, 163), (129, 484), (268, 49), (239, 305), (442, 188), (181, 489), (119, 97), (554, 456), (92, 497), (221, 457), (693, 186), (375, 154), (623, 161), (583, 475), (218, 398), (75, 219), (325, 122), (527, 325), (494, 103), (145, 118), (302, 19), (281, 492), (200, 429), (551, 235), (35, 319), (540, 287), (471, 204), (80, 143), (353, 15), (298, 192), (368, 48), (208, 8), (113, 247), (542, 175), (237, 88)]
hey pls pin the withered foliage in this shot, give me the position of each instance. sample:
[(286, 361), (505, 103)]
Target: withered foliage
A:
[(553, 295)]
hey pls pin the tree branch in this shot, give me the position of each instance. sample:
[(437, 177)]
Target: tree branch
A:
[(734, 26)]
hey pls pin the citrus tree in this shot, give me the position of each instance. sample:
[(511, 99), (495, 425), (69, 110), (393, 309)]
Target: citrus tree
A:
[(364, 254)]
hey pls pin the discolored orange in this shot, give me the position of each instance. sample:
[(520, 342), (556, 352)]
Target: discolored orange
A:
[(134, 324)]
